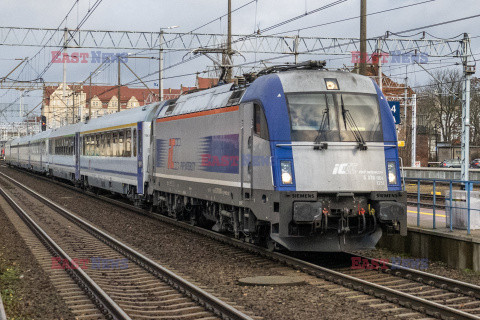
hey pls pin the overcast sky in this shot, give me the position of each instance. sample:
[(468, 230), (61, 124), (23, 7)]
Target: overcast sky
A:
[(150, 15)]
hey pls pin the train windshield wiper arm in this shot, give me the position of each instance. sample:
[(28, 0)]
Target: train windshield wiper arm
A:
[(348, 121), (322, 130)]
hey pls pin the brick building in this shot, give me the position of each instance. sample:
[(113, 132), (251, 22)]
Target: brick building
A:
[(102, 100)]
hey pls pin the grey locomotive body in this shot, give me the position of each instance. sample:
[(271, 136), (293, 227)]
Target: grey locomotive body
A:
[(302, 159)]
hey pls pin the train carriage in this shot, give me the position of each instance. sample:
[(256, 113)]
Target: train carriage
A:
[(62, 152), (17, 152), (113, 149), (106, 153), (39, 152)]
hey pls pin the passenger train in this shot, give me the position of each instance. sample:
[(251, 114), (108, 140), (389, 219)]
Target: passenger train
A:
[(300, 158)]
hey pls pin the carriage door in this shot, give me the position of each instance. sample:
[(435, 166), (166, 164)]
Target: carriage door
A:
[(139, 157), (246, 151), (40, 152), (77, 148)]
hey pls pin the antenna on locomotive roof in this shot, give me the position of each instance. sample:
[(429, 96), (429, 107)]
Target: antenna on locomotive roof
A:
[(225, 66), (306, 65)]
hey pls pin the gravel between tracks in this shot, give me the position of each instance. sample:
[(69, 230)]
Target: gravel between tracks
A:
[(435, 267), (206, 262), (33, 295)]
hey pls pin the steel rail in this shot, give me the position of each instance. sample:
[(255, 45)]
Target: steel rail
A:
[(384, 293), (203, 298), (105, 304), (430, 279)]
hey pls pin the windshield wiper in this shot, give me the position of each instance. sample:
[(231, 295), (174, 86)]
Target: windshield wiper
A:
[(348, 121), (322, 131)]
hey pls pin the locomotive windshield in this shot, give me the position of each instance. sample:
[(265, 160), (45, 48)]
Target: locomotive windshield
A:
[(334, 117)]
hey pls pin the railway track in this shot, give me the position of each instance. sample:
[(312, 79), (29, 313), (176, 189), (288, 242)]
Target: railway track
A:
[(113, 280), (453, 294), (427, 200), (416, 291)]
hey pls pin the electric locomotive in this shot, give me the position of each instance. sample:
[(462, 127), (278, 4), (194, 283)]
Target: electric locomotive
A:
[(301, 158)]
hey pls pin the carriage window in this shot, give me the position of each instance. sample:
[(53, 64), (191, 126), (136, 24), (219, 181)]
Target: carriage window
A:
[(134, 142), (128, 145), (97, 144), (121, 143), (102, 145), (90, 145), (108, 144), (115, 144), (260, 122)]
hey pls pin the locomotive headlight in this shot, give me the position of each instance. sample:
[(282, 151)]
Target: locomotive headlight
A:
[(331, 84), (392, 172), (286, 167)]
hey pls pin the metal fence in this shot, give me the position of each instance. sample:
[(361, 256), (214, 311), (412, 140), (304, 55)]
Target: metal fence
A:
[(452, 205)]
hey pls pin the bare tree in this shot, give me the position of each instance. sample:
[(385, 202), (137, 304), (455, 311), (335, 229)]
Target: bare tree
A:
[(475, 113), (441, 103)]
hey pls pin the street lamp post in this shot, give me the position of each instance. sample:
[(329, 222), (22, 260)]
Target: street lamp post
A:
[(160, 63)]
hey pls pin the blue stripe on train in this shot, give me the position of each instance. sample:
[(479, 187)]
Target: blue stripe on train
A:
[(269, 91), (133, 174), (389, 136)]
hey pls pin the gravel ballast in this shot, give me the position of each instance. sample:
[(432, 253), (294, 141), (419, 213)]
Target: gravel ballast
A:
[(26, 290), (209, 264)]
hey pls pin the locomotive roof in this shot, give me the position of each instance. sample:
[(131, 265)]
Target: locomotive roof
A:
[(314, 80), (213, 98)]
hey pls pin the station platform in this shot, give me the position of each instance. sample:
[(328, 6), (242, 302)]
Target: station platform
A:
[(454, 247)]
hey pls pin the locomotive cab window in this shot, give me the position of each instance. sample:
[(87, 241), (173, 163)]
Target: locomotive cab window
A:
[(260, 122), (317, 117)]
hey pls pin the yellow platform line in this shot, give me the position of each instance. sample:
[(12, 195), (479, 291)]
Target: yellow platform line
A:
[(428, 213)]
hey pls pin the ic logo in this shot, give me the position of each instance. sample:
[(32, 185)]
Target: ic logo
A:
[(345, 168)]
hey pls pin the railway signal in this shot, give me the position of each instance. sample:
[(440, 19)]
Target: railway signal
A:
[(44, 123)]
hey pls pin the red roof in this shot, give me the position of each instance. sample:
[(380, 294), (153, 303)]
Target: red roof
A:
[(175, 93), (205, 83), (390, 87), (105, 93)]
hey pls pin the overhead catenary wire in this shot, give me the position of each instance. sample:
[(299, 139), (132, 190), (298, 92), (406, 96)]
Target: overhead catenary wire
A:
[(75, 3), (272, 27), (282, 56), (351, 18), (40, 75), (72, 35)]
